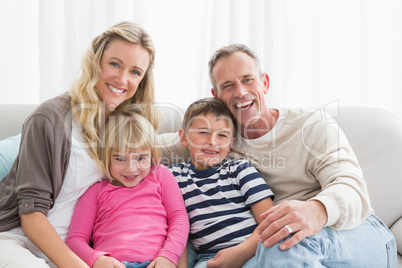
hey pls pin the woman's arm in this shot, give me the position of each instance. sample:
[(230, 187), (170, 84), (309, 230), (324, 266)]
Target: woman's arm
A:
[(37, 228)]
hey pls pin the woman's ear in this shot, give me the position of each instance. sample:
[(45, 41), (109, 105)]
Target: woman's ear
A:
[(183, 138)]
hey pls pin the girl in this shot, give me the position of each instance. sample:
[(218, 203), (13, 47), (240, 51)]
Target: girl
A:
[(136, 217), (58, 158)]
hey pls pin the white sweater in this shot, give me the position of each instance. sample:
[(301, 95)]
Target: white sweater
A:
[(305, 156)]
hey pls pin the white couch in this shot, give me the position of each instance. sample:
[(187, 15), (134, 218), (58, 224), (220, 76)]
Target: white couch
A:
[(375, 135)]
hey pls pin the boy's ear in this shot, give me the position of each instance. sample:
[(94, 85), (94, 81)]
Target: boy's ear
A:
[(231, 143), (183, 138)]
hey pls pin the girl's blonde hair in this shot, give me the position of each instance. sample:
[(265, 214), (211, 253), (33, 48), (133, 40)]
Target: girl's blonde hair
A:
[(124, 131), (86, 103)]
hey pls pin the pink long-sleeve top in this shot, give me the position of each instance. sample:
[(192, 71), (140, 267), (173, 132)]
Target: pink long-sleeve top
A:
[(131, 224)]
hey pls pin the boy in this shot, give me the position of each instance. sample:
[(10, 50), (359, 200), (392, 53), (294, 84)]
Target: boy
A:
[(224, 197)]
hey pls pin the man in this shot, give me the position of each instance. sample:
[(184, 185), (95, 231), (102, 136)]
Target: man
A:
[(323, 216)]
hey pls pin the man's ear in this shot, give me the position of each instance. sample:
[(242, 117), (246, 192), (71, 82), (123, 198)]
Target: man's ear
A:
[(214, 93), (183, 138), (265, 80)]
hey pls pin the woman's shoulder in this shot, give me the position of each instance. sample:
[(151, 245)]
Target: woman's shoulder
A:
[(59, 105)]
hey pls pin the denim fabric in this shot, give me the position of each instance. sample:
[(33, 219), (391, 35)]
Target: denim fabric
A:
[(369, 245), (202, 259), (136, 264)]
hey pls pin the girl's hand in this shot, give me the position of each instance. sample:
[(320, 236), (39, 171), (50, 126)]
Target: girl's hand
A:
[(161, 262), (107, 262)]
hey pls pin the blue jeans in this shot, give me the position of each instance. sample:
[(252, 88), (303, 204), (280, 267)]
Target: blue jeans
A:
[(202, 259), (136, 264), (369, 245)]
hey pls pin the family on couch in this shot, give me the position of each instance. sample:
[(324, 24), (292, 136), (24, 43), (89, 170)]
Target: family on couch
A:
[(322, 214)]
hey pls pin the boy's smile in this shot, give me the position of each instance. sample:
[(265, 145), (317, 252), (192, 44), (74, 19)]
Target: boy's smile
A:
[(209, 140)]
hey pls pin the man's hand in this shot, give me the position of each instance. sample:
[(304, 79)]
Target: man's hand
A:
[(107, 262), (161, 262), (305, 218)]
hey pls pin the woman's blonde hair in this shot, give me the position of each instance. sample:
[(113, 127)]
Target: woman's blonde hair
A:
[(124, 131), (86, 103)]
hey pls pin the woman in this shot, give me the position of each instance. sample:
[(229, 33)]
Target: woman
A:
[(58, 158)]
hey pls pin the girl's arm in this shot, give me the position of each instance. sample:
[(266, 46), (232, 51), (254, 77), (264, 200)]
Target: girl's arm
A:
[(238, 255), (179, 226), (37, 228), (80, 229)]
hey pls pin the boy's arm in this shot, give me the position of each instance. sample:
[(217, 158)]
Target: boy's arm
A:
[(238, 255)]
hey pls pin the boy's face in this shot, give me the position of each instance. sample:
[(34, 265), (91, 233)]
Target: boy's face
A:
[(209, 140)]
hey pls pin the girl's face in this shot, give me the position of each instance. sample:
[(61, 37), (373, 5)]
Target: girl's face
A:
[(123, 65), (130, 169)]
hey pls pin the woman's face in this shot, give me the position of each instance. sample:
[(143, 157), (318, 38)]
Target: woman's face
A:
[(123, 65)]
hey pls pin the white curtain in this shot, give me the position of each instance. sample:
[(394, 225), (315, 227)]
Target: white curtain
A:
[(316, 52)]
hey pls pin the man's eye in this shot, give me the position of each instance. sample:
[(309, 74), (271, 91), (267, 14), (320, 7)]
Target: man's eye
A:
[(223, 135)]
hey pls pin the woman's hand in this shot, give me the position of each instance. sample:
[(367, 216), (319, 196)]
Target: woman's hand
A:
[(161, 262), (107, 262)]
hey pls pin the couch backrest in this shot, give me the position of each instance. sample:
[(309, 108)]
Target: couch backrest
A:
[(375, 135)]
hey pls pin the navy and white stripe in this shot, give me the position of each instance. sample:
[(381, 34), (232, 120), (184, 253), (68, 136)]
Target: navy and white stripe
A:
[(218, 202)]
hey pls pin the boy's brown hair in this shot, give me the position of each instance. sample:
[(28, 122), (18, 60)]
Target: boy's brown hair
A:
[(208, 106)]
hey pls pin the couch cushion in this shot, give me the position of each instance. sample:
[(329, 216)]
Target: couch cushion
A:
[(8, 152)]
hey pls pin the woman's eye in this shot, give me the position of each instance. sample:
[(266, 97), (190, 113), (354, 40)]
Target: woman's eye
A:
[(120, 159), (135, 72), (114, 64)]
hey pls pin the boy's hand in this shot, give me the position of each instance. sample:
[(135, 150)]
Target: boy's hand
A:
[(161, 262), (107, 262), (227, 258)]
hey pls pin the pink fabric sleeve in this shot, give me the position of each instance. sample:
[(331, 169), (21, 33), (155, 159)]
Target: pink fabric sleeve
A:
[(179, 226), (80, 230)]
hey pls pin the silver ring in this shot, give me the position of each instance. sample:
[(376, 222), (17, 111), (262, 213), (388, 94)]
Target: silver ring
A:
[(287, 227)]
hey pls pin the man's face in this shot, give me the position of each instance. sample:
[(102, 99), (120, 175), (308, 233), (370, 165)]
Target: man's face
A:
[(241, 87)]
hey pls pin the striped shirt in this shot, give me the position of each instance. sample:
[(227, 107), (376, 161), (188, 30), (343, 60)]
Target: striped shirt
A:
[(218, 202)]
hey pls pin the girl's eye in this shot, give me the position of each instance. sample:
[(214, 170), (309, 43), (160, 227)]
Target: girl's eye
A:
[(120, 159)]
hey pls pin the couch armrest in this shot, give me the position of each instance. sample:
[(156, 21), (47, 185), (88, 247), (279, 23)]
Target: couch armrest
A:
[(396, 229)]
